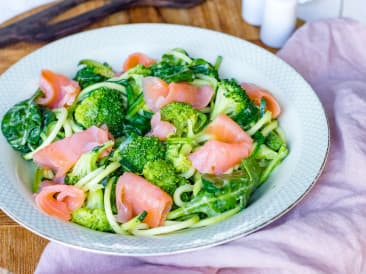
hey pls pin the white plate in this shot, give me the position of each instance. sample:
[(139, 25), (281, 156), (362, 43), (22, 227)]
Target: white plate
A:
[(303, 120)]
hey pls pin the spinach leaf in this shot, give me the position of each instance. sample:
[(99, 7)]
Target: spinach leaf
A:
[(220, 193), (138, 124), (172, 73), (22, 125)]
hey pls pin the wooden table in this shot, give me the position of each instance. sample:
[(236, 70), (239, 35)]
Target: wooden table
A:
[(20, 249)]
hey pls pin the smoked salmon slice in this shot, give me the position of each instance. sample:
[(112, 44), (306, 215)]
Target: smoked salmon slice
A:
[(60, 200), (216, 157), (158, 93), (137, 58), (58, 90), (155, 90), (161, 129), (257, 93), (198, 97), (61, 155), (134, 194), (224, 129)]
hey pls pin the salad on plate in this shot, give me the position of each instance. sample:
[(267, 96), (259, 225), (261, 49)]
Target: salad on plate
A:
[(162, 146)]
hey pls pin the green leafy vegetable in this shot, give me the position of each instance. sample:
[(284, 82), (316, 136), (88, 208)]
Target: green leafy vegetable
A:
[(274, 141), (219, 194), (92, 72), (22, 125)]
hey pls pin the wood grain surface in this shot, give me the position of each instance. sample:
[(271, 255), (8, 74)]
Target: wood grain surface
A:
[(20, 249)]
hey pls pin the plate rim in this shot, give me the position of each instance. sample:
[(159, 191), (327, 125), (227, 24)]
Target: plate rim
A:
[(198, 246)]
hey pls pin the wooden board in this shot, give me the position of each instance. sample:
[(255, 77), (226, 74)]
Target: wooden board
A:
[(20, 249)]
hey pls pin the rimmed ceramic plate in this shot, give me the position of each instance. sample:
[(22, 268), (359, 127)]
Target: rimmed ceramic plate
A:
[(303, 121)]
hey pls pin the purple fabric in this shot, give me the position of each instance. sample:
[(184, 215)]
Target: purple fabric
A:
[(326, 232)]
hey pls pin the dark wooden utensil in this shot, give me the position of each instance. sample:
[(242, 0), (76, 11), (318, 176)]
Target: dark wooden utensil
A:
[(37, 27)]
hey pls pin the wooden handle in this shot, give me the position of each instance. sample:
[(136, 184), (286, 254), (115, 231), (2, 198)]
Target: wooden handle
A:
[(36, 27)]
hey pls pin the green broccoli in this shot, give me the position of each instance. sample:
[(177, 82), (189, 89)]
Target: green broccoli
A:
[(92, 215), (177, 154), (184, 117), (134, 152), (161, 173), (91, 218), (232, 100), (86, 163), (102, 106)]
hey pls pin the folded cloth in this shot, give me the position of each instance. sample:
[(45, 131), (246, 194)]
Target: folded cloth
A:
[(326, 232)]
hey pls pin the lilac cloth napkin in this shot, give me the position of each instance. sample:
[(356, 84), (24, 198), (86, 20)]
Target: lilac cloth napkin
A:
[(326, 232)]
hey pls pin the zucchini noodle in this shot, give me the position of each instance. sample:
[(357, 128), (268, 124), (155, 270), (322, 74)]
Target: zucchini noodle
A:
[(75, 127), (108, 208), (281, 133), (83, 181), (93, 184), (67, 128), (267, 129), (166, 228), (260, 123), (179, 191), (197, 184)]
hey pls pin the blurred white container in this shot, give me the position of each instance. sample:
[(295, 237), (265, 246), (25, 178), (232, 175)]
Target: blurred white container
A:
[(252, 11), (319, 9), (279, 21)]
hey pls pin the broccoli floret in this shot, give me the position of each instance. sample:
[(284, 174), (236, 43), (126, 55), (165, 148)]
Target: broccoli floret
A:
[(91, 218), (92, 215), (177, 154), (161, 173), (136, 151), (86, 163), (232, 100), (102, 106), (184, 117)]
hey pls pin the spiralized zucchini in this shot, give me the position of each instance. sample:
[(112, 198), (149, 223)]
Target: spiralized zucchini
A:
[(217, 219), (179, 191), (166, 228)]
